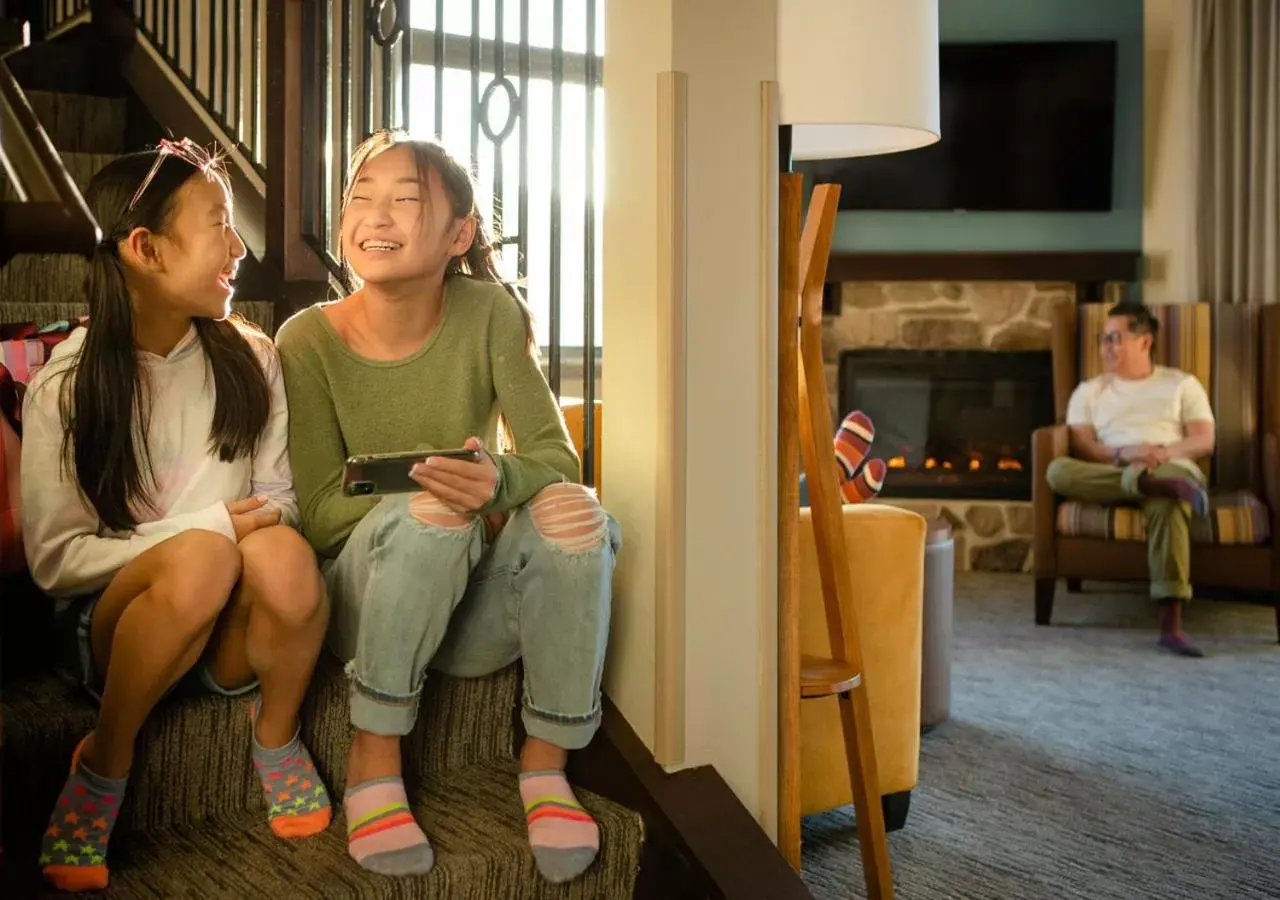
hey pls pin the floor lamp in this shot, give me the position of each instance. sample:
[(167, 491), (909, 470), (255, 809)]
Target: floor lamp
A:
[(855, 78)]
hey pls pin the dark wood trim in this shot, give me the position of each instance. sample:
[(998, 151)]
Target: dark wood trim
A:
[(154, 87), (287, 252), (1083, 267), (53, 217), (700, 841)]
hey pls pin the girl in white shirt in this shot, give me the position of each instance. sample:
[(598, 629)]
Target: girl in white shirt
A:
[(157, 500)]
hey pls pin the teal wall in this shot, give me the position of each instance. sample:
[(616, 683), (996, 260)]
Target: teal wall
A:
[(1031, 20)]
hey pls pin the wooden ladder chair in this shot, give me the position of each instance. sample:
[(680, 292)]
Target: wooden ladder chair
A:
[(804, 401)]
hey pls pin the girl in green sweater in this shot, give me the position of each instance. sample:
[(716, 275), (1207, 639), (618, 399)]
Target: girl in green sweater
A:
[(491, 561)]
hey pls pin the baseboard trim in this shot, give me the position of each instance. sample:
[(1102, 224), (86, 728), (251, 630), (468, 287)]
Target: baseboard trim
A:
[(700, 841)]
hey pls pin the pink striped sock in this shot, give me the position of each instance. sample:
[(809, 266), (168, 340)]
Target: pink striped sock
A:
[(382, 835), (564, 837)]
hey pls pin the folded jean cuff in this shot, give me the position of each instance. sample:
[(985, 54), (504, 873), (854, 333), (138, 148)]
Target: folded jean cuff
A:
[(566, 732), (377, 717), (380, 713)]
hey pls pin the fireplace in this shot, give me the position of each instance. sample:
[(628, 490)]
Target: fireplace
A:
[(951, 423)]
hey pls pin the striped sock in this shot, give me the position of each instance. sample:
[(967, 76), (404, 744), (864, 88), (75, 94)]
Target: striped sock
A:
[(564, 837), (381, 833), (853, 442), (866, 484)]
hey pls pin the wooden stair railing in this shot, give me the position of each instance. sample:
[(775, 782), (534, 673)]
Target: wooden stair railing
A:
[(50, 215)]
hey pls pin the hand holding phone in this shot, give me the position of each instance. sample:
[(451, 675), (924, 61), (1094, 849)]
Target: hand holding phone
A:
[(389, 473), (463, 485)]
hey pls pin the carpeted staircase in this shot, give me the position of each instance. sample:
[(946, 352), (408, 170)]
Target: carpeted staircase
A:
[(90, 120), (194, 822)]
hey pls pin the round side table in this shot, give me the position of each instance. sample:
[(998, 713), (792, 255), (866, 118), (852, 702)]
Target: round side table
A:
[(939, 593)]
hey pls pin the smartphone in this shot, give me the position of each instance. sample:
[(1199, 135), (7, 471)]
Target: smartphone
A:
[(388, 473)]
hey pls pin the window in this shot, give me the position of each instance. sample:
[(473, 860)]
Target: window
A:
[(538, 163)]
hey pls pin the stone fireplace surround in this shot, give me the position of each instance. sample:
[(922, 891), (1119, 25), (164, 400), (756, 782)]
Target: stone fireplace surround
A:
[(961, 315)]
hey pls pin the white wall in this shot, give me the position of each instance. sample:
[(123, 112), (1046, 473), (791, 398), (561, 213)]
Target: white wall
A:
[(727, 50), (1169, 190), (638, 45)]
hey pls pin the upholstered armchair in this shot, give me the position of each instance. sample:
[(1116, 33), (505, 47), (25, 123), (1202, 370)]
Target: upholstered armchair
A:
[(1235, 352)]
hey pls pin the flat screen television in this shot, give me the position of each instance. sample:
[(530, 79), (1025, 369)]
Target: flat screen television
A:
[(1025, 126)]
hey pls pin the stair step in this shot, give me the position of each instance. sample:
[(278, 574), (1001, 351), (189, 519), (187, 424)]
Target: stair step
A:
[(31, 278), (472, 816), (81, 123), (80, 166), (193, 754), (259, 312), (69, 65)]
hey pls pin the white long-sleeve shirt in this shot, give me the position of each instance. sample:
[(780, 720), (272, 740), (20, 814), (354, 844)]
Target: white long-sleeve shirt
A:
[(69, 551)]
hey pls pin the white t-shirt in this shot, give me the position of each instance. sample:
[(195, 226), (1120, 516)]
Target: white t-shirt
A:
[(1151, 410)]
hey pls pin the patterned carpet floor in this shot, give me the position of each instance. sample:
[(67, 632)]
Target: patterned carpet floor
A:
[(1081, 762)]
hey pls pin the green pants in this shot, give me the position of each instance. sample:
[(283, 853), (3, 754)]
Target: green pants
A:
[(1168, 521)]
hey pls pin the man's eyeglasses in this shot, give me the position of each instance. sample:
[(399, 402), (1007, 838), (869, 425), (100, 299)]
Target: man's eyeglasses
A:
[(1108, 338), (186, 150)]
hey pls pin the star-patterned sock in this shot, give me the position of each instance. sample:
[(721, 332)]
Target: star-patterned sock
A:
[(73, 852), (297, 802)]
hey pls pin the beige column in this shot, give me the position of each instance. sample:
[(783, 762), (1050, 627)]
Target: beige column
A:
[(690, 366)]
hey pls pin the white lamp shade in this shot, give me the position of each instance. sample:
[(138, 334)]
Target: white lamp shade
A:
[(858, 77)]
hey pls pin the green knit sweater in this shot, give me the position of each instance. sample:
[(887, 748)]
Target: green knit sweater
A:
[(475, 365)]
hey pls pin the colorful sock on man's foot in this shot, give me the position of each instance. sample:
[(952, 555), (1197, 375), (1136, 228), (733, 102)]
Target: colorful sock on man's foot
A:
[(853, 442), (73, 851), (564, 837), (1185, 489), (866, 484), (382, 835), (297, 802), (1172, 637)]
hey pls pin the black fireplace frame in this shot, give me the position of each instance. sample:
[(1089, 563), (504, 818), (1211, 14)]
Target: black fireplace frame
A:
[(945, 363)]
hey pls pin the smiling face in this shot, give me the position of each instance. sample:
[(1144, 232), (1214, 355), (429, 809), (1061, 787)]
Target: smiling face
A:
[(399, 226), (1124, 352), (196, 255)]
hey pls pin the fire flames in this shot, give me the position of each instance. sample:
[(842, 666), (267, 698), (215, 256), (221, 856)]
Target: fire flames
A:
[(1003, 464)]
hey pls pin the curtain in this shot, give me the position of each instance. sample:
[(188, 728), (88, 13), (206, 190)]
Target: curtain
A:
[(1236, 76), (1236, 258)]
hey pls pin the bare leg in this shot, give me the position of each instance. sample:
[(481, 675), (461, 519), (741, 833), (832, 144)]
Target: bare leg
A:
[(148, 629), (273, 629), (372, 756), (539, 756)]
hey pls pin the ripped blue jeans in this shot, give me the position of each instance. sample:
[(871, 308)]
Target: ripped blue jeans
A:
[(419, 586)]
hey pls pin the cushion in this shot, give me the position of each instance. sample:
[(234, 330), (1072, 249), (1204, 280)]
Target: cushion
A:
[(1235, 517), (11, 555)]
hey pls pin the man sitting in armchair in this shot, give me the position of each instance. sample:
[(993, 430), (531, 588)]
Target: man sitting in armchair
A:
[(1136, 433)]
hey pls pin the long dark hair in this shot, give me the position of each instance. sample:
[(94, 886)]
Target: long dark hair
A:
[(106, 406), (479, 261)]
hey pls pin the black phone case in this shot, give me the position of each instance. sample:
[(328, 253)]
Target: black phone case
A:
[(388, 473)]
